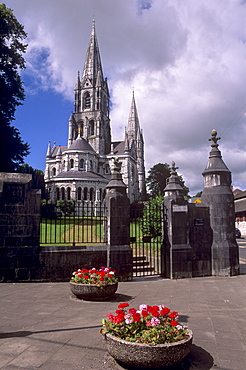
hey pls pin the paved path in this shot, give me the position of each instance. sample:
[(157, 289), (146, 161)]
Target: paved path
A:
[(43, 327)]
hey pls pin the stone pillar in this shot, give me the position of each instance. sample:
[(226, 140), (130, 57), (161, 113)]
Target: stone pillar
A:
[(217, 194), (176, 254), (19, 227), (117, 225)]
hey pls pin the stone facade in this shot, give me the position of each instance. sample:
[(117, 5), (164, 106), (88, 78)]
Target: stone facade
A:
[(81, 170)]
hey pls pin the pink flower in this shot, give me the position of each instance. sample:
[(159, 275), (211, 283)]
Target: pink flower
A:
[(153, 322), (143, 307)]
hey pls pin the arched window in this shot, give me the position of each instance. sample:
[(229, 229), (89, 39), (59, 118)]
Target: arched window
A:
[(71, 163), (91, 194), (91, 128), (81, 164), (68, 193), (63, 193), (80, 128), (53, 171), (57, 193), (107, 169), (85, 193), (91, 165), (79, 193), (63, 165), (87, 101)]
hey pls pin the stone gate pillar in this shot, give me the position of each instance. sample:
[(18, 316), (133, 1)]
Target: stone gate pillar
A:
[(117, 225), (217, 194), (19, 227), (176, 241)]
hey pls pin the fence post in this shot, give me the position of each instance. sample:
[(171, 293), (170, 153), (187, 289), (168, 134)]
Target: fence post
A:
[(117, 226)]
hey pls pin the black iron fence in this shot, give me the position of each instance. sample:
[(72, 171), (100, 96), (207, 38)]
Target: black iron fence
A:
[(70, 223)]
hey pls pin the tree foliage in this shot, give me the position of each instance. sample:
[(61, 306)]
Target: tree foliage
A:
[(152, 217), (12, 149), (66, 206), (157, 178)]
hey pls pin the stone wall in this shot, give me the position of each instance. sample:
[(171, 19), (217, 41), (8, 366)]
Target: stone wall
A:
[(19, 227)]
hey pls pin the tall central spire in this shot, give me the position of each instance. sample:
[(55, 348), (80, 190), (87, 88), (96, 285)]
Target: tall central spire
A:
[(133, 121), (92, 66)]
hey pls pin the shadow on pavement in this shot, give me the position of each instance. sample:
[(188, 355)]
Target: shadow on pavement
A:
[(26, 333)]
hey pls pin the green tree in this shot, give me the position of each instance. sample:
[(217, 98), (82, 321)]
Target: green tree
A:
[(66, 206), (157, 178), (12, 149), (152, 217)]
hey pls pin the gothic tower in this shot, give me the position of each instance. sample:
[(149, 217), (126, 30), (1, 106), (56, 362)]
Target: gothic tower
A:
[(134, 134), (91, 102), (80, 171)]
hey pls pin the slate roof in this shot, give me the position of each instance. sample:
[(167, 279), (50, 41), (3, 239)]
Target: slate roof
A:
[(83, 175), (82, 145), (119, 147), (240, 205)]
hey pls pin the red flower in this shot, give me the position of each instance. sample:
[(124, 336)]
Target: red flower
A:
[(120, 312), (123, 305), (132, 310), (79, 275), (101, 279), (86, 277), (84, 271), (165, 311), (173, 315), (136, 317), (154, 310), (173, 323), (144, 313)]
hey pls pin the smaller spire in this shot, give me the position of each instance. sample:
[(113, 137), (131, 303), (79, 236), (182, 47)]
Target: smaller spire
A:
[(77, 86), (133, 121), (48, 154), (59, 152)]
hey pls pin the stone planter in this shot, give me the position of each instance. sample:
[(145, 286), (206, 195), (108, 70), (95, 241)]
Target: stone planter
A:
[(146, 356), (92, 292)]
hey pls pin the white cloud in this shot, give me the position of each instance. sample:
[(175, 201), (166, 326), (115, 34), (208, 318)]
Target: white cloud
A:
[(185, 61)]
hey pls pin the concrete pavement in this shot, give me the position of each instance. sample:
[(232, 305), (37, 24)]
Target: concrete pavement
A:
[(43, 327)]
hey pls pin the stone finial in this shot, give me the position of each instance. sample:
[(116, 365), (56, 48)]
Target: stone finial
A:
[(173, 168), (214, 139), (116, 165)]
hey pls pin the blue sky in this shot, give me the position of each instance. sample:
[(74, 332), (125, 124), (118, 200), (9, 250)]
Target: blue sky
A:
[(185, 61)]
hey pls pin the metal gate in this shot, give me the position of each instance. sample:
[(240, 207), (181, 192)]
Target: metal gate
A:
[(146, 238)]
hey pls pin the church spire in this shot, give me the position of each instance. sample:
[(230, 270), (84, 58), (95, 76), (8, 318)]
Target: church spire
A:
[(93, 65), (133, 121)]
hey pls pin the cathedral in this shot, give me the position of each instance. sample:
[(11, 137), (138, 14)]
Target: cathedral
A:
[(81, 170)]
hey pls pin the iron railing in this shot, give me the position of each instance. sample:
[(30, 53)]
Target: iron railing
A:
[(81, 223)]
